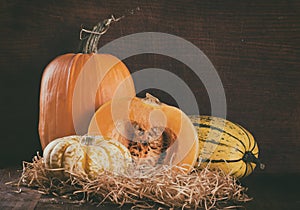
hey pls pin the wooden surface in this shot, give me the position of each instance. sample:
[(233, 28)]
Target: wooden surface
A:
[(253, 44), (266, 195)]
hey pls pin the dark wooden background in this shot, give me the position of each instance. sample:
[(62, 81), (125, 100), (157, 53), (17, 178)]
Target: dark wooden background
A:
[(253, 44)]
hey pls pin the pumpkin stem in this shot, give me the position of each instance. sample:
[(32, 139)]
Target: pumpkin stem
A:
[(90, 43), (249, 157), (150, 99), (87, 140)]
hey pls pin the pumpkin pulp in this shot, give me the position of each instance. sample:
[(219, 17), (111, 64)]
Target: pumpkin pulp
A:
[(155, 133)]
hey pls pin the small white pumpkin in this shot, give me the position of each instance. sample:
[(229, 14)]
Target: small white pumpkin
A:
[(86, 154)]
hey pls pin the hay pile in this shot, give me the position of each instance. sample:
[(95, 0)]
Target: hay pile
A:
[(163, 188)]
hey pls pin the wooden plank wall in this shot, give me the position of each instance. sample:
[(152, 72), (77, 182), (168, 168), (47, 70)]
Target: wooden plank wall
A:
[(254, 45)]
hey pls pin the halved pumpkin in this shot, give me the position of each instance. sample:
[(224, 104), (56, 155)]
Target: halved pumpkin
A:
[(155, 133)]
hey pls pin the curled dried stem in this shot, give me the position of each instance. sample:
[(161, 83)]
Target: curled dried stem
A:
[(91, 41)]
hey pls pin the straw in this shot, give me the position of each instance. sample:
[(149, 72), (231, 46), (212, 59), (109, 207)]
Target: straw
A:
[(165, 188)]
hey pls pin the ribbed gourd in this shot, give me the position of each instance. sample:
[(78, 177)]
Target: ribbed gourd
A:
[(225, 145), (88, 155)]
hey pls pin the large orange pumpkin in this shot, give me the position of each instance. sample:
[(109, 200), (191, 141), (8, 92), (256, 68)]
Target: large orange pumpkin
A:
[(155, 133), (73, 86)]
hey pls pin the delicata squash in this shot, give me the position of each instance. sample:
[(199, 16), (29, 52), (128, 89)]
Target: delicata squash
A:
[(154, 133), (225, 145)]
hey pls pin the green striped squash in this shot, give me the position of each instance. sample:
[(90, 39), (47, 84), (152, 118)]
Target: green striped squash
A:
[(225, 145)]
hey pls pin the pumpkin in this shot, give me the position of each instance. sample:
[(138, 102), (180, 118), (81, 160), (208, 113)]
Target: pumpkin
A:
[(73, 86), (225, 145), (86, 155), (156, 134)]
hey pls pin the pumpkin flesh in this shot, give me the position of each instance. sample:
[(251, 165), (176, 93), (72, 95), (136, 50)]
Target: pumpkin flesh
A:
[(154, 133)]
